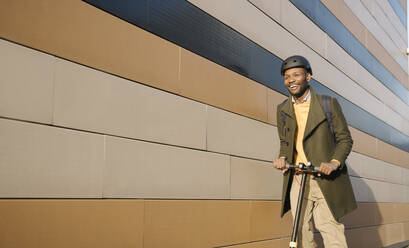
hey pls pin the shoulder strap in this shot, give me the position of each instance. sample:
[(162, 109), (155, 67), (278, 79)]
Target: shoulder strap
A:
[(326, 105)]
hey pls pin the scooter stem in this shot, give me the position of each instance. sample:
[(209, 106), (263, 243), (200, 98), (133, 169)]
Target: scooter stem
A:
[(293, 242)]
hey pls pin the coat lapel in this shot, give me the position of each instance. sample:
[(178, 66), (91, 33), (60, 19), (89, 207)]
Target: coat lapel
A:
[(315, 115), (288, 108)]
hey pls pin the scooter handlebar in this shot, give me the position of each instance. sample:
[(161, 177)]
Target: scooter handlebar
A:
[(306, 167)]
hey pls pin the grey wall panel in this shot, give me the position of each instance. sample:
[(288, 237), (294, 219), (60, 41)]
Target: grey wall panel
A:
[(136, 169), (46, 162), (26, 83), (92, 100)]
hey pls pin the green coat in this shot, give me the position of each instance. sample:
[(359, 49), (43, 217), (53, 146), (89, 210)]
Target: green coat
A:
[(319, 147)]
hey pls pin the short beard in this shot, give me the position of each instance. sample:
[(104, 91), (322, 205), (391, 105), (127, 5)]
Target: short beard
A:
[(303, 90)]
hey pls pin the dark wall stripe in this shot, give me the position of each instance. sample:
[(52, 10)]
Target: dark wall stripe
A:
[(186, 25), (400, 12), (322, 17)]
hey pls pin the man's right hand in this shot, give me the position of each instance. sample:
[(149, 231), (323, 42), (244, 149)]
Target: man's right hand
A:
[(279, 163)]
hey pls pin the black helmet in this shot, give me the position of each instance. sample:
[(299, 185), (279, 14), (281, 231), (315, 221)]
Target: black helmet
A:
[(294, 62)]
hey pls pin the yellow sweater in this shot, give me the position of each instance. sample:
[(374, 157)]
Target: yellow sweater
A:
[(301, 114)]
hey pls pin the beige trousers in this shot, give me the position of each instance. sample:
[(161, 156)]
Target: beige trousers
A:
[(314, 205)]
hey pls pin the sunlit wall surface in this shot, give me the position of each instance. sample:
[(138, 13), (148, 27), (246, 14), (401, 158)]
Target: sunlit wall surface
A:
[(153, 123)]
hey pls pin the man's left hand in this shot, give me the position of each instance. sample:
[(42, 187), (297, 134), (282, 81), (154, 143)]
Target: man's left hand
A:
[(328, 168)]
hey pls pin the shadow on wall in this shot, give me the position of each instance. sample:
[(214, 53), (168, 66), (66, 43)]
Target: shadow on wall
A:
[(362, 225)]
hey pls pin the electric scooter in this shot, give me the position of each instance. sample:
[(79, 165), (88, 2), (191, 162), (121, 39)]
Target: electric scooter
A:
[(304, 169)]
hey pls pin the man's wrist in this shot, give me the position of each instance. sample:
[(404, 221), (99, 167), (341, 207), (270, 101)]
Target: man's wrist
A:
[(336, 162)]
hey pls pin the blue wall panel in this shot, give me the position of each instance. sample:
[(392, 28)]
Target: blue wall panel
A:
[(400, 12)]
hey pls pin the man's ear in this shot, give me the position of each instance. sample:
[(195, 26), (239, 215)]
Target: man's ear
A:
[(308, 77)]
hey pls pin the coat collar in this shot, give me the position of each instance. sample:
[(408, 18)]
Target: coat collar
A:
[(315, 114)]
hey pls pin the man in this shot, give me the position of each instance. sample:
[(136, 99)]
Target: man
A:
[(306, 136)]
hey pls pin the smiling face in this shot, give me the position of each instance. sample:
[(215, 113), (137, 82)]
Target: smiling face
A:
[(296, 80)]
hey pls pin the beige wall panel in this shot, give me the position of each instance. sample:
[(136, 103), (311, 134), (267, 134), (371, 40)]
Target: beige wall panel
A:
[(366, 214), (387, 213), (406, 230), (208, 82), (363, 143), (301, 26), (92, 100), (405, 177), (376, 213), (342, 60), (386, 59), (373, 169), (375, 236), (403, 156), (402, 212), (43, 161), (191, 224), (273, 100), (378, 191), (145, 170), (261, 27), (237, 135), (392, 173), (392, 154), (275, 243), (391, 233), (386, 192), (252, 179), (71, 223), (26, 83), (345, 15), (181, 223), (254, 30), (223, 10), (79, 32), (363, 237), (271, 8), (404, 191), (266, 222)]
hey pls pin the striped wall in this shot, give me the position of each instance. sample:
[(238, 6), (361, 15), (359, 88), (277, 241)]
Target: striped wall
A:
[(126, 134)]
